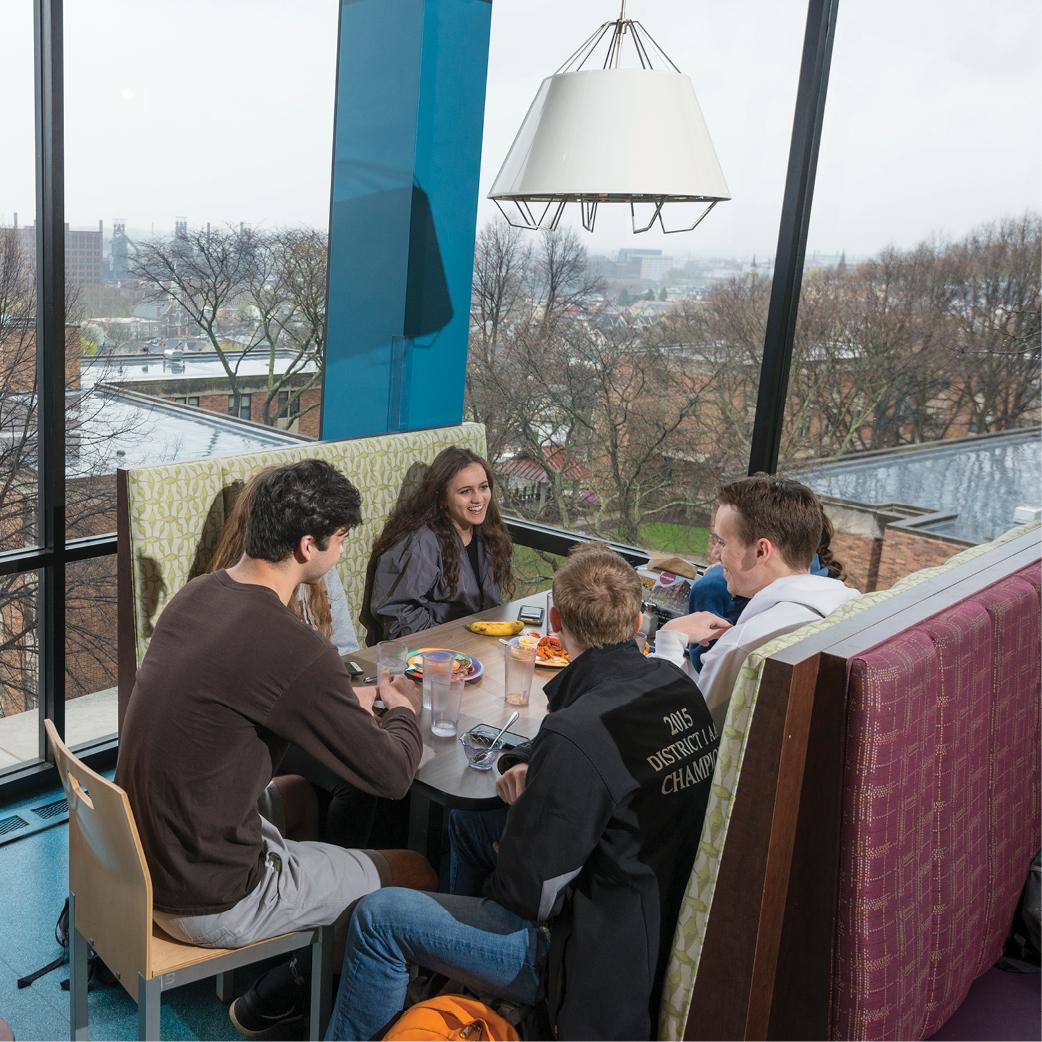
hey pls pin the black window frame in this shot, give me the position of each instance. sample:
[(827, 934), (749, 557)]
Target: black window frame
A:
[(54, 552), (287, 405), (240, 406)]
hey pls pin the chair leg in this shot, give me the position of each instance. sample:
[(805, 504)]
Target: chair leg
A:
[(225, 993), (321, 982), (149, 997), (78, 949)]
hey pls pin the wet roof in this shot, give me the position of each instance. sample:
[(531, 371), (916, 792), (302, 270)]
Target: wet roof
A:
[(188, 367), (124, 430), (980, 480)]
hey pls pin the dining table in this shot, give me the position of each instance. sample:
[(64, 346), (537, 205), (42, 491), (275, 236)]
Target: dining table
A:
[(444, 780)]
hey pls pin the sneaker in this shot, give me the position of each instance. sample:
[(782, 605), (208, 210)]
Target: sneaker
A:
[(278, 996)]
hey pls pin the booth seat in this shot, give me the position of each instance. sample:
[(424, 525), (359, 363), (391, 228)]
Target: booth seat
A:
[(873, 813), (170, 519)]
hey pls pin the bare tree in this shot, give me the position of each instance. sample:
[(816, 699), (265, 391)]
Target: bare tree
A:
[(286, 286), (202, 271), (908, 346), (996, 314), (721, 341), (520, 292), (279, 278), (863, 369), (616, 402), (499, 299), (91, 431), (559, 276)]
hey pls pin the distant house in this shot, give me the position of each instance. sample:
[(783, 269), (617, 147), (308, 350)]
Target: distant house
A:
[(526, 480), (157, 319)]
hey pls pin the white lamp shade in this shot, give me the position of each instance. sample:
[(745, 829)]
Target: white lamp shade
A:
[(603, 133)]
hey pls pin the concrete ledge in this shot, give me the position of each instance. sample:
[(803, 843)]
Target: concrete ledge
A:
[(87, 718)]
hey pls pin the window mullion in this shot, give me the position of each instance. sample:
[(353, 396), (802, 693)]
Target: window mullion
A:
[(50, 360)]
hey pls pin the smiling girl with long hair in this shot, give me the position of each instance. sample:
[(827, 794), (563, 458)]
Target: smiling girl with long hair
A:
[(444, 552)]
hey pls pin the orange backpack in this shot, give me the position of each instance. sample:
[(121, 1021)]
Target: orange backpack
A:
[(451, 1017)]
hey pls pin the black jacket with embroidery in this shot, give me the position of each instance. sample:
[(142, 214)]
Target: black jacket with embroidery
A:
[(600, 844)]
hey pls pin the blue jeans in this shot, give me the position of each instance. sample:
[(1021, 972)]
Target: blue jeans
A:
[(474, 941), (472, 858)]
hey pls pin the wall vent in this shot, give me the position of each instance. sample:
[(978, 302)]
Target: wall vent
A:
[(52, 810), (33, 819), (12, 824)]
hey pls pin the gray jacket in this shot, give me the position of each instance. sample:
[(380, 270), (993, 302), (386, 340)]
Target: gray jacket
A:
[(343, 636), (410, 592)]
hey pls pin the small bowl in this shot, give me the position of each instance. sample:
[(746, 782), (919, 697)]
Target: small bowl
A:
[(476, 747)]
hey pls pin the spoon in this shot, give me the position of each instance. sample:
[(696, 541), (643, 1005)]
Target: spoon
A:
[(495, 741)]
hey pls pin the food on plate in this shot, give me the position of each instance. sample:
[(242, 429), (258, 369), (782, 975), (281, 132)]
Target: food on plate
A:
[(460, 663), (550, 652), (496, 629)]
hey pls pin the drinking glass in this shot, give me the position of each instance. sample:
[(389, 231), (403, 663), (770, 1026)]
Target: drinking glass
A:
[(520, 669), (391, 659), (446, 691)]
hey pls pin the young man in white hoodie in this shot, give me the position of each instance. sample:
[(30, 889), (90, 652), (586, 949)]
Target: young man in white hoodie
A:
[(768, 530)]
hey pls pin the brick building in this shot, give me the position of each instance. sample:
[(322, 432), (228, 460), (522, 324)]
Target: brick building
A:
[(200, 381), (83, 252)]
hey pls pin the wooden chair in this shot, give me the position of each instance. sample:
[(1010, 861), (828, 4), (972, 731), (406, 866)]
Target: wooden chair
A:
[(110, 910)]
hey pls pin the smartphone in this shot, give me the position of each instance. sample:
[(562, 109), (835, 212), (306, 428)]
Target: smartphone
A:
[(509, 739), (532, 614), (353, 668)]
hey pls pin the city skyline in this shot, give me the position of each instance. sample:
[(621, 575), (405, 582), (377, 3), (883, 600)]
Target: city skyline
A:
[(948, 92)]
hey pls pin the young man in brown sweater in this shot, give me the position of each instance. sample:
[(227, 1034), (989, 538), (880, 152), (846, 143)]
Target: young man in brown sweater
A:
[(230, 677)]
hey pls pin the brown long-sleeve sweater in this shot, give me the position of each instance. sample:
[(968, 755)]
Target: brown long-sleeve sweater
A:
[(230, 677)]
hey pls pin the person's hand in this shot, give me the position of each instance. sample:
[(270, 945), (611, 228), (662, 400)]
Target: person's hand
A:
[(366, 697), (400, 693), (510, 784), (702, 627)]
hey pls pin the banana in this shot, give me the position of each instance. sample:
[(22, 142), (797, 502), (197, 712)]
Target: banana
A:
[(496, 629)]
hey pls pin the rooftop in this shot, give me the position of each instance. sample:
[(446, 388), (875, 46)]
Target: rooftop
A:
[(526, 469), (188, 366), (120, 429), (980, 480)]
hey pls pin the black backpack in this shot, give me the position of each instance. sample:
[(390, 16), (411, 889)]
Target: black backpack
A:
[(98, 974)]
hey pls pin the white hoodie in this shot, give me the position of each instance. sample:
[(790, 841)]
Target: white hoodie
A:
[(784, 605)]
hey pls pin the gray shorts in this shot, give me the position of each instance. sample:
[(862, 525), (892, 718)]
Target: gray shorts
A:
[(304, 885)]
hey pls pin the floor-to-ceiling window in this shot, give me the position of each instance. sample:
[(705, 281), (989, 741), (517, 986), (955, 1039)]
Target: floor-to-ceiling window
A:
[(196, 158), (919, 313), (616, 374)]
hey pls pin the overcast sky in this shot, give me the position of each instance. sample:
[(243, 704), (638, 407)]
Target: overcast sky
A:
[(222, 111)]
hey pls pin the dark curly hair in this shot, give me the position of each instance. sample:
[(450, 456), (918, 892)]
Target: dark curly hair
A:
[(825, 555), (306, 498), (426, 506), (229, 552)]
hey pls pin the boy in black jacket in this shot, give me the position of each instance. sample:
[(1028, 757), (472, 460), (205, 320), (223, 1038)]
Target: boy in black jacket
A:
[(598, 845)]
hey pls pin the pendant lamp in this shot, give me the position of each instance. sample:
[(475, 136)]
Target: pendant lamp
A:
[(598, 132)]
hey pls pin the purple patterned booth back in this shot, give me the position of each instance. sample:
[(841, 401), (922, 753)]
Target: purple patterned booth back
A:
[(941, 810)]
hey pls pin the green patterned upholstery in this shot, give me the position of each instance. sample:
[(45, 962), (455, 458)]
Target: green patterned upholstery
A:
[(694, 911), (176, 512)]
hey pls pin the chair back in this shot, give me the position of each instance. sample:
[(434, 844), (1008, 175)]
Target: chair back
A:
[(107, 871)]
